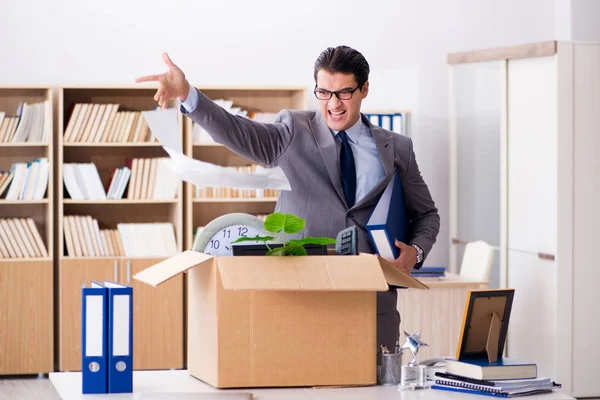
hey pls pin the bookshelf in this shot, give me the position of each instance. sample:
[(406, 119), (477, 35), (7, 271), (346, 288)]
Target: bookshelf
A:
[(118, 139), (26, 343), (254, 99)]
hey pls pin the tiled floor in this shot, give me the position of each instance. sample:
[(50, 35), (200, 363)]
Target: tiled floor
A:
[(26, 387)]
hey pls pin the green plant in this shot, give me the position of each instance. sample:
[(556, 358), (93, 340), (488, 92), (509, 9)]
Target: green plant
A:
[(283, 224)]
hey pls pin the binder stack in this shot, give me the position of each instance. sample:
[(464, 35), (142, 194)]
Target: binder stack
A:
[(107, 338), (392, 121)]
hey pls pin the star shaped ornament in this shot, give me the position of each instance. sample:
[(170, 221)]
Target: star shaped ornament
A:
[(413, 342)]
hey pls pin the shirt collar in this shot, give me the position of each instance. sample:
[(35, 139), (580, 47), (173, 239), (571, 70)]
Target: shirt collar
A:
[(354, 131)]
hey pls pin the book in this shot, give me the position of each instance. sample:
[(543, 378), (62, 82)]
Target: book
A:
[(521, 393), (503, 368), (429, 272), (388, 221)]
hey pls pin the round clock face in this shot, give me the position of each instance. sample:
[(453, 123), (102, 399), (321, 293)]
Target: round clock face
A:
[(216, 237), (220, 243)]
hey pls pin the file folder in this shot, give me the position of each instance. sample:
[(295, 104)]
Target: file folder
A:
[(120, 337), (388, 221), (395, 122), (94, 377)]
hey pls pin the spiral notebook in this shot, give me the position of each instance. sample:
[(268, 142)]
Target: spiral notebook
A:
[(512, 388)]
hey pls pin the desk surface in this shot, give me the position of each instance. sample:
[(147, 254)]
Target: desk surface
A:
[(68, 386), (452, 280)]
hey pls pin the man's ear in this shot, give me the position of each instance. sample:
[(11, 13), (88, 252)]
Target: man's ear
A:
[(364, 91)]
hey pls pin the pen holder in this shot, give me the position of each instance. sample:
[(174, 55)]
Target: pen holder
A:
[(388, 370)]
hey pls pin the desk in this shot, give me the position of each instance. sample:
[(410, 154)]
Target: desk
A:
[(438, 312), (68, 386)]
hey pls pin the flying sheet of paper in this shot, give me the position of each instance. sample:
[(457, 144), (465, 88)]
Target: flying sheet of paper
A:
[(163, 124)]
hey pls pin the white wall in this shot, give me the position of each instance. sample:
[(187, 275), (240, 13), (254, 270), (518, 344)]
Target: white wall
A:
[(273, 42)]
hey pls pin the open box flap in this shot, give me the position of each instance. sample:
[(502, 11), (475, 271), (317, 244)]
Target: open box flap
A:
[(394, 276), (171, 267), (328, 273)]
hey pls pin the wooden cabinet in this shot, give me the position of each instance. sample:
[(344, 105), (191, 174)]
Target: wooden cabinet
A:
[(26, 278), (157, 318), (26, 312), (157, 312), (71, 274)]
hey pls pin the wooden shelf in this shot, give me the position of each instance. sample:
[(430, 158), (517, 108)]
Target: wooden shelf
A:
[(237, 200), (24, 259), (26, 284), (208, 145), (22, 202), (111, 258), (26, 144), (120, 202), (113, 144), (107, 156)]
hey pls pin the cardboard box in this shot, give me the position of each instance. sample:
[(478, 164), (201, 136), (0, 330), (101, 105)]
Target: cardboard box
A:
[(281, 321)]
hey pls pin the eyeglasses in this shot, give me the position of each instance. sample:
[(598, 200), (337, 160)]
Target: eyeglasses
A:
[(344, 94)]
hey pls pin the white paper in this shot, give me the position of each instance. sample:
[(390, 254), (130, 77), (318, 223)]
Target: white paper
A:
[(163, 124)]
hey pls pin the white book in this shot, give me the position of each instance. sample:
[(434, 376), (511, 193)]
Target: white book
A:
[(37, 123), (113, 184), (93, 184), (70, 180), (18, 170), (24, 124), (122, 183), (99, 237), (41, 179), (169, 239), (80, 178), (28, 175), (2, 116), (47, 125), (123, 230), (32, 175)]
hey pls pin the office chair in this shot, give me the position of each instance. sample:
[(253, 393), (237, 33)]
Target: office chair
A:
[(477, 261)]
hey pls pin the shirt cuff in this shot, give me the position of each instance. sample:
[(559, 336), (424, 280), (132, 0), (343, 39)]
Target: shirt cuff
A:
[(191, 102)]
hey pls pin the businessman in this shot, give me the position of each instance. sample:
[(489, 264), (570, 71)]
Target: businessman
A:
[(336, 161)]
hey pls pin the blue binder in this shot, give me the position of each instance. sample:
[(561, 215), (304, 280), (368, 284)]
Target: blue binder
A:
[(388, 221), (120, 337), (94, 377)]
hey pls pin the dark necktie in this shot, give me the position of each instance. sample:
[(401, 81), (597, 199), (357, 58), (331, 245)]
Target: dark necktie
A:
[(348, 169)]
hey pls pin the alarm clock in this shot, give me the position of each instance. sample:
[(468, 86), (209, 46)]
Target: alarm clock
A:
[(216, 237)]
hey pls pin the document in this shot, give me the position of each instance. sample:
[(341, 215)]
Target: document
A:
[(163, 124)]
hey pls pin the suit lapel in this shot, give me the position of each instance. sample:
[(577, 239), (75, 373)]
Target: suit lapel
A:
[(329, 152), (385, 147)]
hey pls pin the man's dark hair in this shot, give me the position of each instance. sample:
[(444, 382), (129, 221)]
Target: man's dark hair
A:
[(345, 60)]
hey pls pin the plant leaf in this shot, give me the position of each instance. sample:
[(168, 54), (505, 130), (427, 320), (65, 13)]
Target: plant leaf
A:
[(288, 223), (295, 250), (275, 222), (313, 240), (278, 251), (254, 239)]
